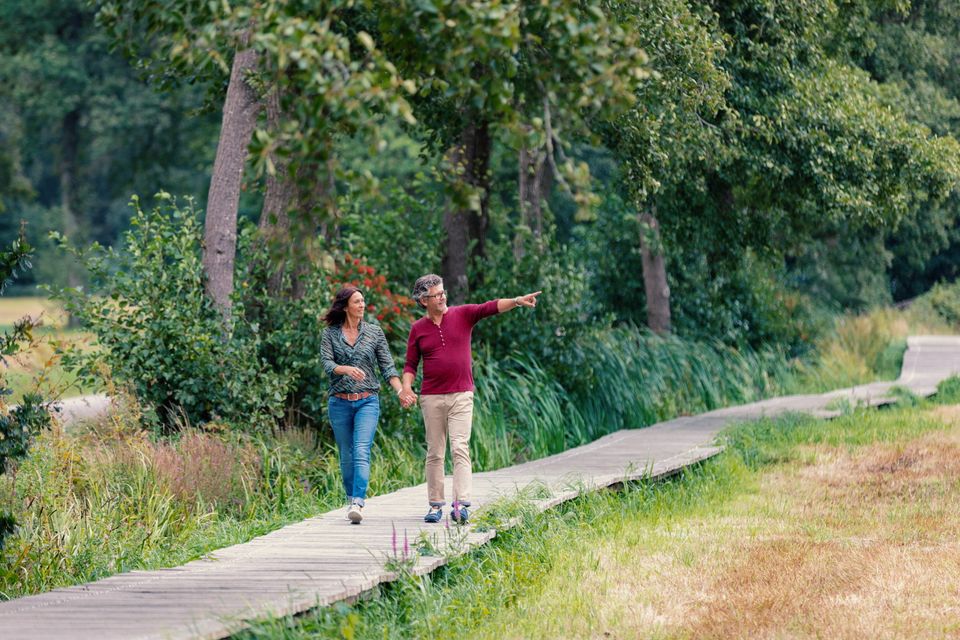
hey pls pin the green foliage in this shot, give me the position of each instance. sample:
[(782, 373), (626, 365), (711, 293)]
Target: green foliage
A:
[(742, 301), (948, 391), (290, 330), (15, 261), (942, 301), (671, 125), (21, 425), (398, 230), (568, 311), (84, 132), (160, 334)]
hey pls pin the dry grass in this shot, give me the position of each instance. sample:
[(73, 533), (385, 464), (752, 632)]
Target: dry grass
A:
[(49, 312), (849, 543), (38, 365)]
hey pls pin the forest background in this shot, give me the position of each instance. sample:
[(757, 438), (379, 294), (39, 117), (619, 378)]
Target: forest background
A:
[(704, 191)]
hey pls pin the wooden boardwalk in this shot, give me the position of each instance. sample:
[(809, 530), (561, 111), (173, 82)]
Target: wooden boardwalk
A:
[(326, 559)]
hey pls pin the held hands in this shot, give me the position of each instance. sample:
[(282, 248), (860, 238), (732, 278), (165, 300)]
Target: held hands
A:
[(407, 398)]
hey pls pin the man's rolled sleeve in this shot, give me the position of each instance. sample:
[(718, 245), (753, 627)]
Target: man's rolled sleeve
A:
[(480, 311)]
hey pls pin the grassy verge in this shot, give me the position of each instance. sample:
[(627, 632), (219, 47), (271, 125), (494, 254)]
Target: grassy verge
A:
[(802, 528), (109, 498)]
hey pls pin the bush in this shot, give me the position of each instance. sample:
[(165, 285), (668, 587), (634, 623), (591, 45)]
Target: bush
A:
[(566, 312), (20, 426), (165, 341), (941, 303), (289, 329), (399, 231), (162, 336)]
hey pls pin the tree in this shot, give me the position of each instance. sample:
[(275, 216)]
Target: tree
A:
[(503, 70), (670, 128), (323, 77), (83, 130), (241, 107), (909, 49)]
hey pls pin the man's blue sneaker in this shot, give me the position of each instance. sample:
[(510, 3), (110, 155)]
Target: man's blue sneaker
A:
[(434, 515), (460, 514)]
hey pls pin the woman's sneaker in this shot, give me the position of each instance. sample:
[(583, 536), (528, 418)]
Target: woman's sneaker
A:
[(355, 513), (434, 515)]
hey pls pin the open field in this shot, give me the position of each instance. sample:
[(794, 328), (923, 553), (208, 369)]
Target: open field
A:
[(39, 308), (40, 360), (840, 541)]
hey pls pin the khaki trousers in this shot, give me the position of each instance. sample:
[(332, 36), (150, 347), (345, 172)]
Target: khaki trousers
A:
[(448, 415)]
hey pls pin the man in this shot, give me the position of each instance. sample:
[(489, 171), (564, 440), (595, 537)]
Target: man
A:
[(442, 340)]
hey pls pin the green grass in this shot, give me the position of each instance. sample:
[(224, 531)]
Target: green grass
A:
[(498, 590)]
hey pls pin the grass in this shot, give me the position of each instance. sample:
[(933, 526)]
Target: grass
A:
[(107, 498), (801, 528), (37, 366), (39, 308)]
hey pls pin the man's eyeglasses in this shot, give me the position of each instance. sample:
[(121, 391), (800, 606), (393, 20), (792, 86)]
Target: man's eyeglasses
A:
[(442, 294)]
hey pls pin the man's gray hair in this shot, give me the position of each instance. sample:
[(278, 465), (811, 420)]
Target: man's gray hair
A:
[(423, 284)]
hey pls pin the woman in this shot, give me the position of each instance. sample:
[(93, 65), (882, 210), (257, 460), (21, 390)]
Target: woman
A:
[(349, 350)]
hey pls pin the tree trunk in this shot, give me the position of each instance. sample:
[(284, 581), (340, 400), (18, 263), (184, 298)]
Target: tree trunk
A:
[(654, 275), (69, 152), (317, 215), (534, 185), (240, 111), (278, 201), (466, 227)]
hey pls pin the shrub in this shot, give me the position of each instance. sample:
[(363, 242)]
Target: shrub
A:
[(941, 303), (20, 426), (399, 231), (162, 336)]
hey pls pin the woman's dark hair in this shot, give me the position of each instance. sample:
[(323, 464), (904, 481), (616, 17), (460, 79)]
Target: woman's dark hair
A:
[(338, 310)]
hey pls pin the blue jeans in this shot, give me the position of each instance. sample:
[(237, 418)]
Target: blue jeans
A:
[(354, 425)]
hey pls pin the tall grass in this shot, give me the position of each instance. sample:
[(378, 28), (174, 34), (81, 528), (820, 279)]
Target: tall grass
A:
[(630, 379)]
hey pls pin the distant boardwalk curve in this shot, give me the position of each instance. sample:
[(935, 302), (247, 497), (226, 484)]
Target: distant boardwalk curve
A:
[(325, 559)]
